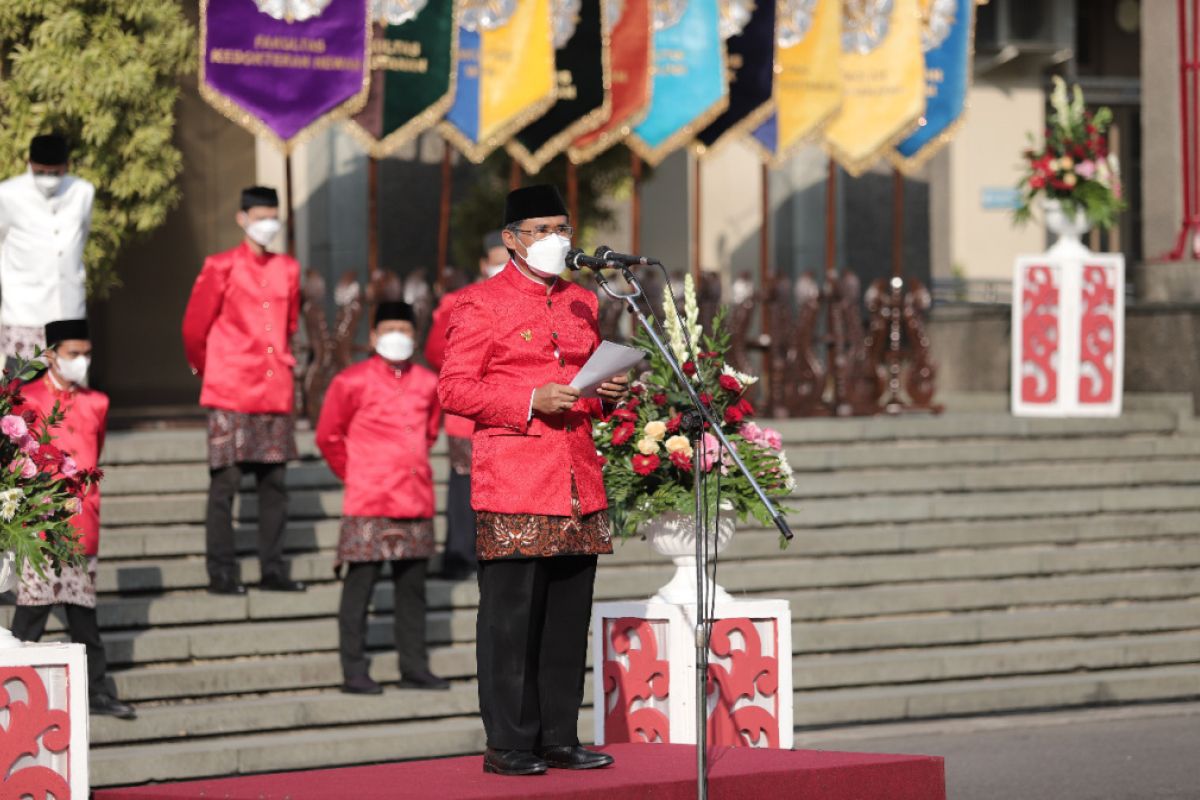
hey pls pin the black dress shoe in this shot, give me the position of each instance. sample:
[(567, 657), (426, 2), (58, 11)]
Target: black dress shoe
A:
[(361, 684), (111, 707), (226, 587), (573, 757), (282, 585), (512, 762), (423, 680)]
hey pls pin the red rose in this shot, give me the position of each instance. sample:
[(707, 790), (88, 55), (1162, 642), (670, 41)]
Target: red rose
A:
[(636, 388), (659, 399), (689, 368), (744, 406), (706, 398), (623, 433), (674, 422), (644, 465), (733, 415), (681, 460), (730, 383), (632, 403), (30, 416)]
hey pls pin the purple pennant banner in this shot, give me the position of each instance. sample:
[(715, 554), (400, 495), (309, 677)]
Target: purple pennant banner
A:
[(283, 67)]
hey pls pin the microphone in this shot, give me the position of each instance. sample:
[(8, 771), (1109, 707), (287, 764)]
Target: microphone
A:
[(608, 254), (577, 259)]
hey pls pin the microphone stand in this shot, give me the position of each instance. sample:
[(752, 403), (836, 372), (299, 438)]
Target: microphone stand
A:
[(700, 415)]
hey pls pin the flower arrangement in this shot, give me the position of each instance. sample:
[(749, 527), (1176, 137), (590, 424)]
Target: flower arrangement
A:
[(646, 459), (1074, 165), (41, 487)]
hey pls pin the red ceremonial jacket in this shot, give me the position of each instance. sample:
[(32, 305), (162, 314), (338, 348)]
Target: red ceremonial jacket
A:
[(500, 348), (238, 327), (81, 436), (375, 430), (435, 356)]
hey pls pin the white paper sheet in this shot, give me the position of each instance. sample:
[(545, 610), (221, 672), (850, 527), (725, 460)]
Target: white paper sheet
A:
[(609, 359)]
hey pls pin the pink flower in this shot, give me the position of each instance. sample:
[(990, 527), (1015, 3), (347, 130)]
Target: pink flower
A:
[(28, 444), (69, 468), (1086, 169), (13, 427), (751, 433), (708, 452), (772, 438), (72, 505), (25, 466)]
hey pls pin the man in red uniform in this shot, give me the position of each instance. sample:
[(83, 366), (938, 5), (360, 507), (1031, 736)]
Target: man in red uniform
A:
[(514, 344), (378, 421), (458, 558), (237, 330), (81, 436)]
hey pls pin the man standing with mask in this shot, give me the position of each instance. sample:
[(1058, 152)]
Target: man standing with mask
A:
[(514, 344), (45, 215), (378, 421), (237, 331), (81, 436), (458, 559)]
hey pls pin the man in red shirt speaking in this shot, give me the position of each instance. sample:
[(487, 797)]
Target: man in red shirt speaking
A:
[(237, 332), (513, 345)]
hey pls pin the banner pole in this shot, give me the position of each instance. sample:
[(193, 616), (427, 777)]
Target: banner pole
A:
[(765, 289), (443, 252), (635, 205), (372, 215), (572, 193), (291, 219)]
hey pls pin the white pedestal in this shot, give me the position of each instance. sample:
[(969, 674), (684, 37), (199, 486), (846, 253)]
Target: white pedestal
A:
[(1068, 333), (644, 674), (44, 712)]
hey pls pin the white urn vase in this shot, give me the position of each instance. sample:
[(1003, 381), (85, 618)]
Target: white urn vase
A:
[(8, 581), (674, 535), (1068, 228)]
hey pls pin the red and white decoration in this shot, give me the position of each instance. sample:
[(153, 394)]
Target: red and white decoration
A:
[(646, 672), (1068, 322), (44, 721)]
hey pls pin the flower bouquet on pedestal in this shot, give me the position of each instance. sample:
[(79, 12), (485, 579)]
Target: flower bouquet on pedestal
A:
[(1073, 171), (646, 459), (41, 487)]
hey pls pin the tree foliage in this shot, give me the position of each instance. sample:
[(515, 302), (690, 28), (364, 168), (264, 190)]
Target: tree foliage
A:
[(105, 74)]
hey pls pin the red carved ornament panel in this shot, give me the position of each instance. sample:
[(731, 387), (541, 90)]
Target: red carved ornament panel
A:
[(1039, 335)]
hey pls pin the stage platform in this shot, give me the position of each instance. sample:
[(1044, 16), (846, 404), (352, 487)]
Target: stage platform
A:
[(658, 771)]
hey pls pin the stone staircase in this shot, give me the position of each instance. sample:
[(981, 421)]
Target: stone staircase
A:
[(967, 564)]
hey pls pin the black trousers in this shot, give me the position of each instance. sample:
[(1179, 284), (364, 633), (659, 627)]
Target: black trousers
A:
[(531, 649), (408, 588), (221, 553), (29, 623), (459, 554)]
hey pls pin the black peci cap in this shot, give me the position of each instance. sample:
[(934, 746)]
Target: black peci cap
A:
[(49, 149), (528, 202), (394, 309), (64, 329), (259, 196)]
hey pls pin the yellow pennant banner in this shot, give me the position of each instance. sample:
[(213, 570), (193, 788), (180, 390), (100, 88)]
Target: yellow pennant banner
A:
[(808, 80), (506, 75), (883, 69)]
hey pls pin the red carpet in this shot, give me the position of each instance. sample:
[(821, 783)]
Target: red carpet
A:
[(652, 772)]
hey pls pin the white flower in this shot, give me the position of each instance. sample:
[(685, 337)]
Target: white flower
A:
[(655, 429), (742, 378), (647, 446), (674, 329), (785, 469), (10, 502), (679, 444)]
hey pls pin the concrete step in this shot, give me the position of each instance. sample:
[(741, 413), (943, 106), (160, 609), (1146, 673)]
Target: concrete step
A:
[(1020, 624), (923, 665), (964, 698)]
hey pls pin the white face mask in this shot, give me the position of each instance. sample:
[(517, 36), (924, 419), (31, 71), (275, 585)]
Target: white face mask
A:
[(263, 231), (74, 369), (47, 184), (492, 270), (548, 256), (394, 346)]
